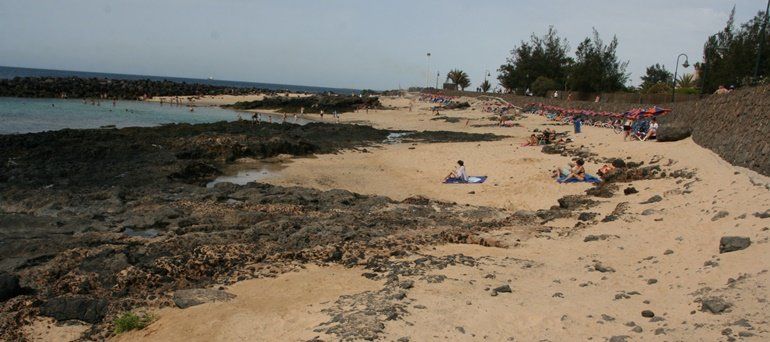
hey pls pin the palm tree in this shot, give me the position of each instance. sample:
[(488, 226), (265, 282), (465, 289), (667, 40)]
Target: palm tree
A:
[(485, 86), (686, 81), (459, 78)]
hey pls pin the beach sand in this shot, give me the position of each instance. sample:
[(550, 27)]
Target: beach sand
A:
[(664, 256), (216, 100)]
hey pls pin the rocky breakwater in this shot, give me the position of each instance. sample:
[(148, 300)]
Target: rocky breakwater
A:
[(76, 87), (311, 104), (94, 223)]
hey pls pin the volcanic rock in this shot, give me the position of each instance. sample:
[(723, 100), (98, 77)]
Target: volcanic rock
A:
[(86, 309), (9, 286), (733, 243), (192, 297), (669, 132)]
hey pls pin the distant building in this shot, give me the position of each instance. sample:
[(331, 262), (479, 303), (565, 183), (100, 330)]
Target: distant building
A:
[(448, 85)]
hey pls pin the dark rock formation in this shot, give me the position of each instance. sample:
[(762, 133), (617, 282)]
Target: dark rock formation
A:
[(71, 196), (83, 308), (75, 87), (9, 286), (192, 297), (630, 190), (670, 132), (714, 305), (733, 243), (653, 199), (311, 104)]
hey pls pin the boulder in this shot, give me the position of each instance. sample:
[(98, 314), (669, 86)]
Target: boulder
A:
[(525, 214), (603, 190), (733, 243), (9, 286), (587, 216), (503, 288), (653, 199), (552, 149), (630, 190), (572, 202), (192, 297), (714, 305), (673, 132), (619, 163), (83, 308)]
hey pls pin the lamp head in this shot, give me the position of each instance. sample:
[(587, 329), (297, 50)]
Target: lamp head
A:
[(686, 64)]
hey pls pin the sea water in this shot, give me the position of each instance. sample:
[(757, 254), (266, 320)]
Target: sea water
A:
[(27, 115)]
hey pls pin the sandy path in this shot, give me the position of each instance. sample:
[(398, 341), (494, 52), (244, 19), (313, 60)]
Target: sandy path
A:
[(286, 308)]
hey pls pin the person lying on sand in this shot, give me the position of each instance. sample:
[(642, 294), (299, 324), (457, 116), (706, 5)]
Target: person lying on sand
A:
[(459, 173), (547, 136), (563, 171), (531, 141), (606, 170)]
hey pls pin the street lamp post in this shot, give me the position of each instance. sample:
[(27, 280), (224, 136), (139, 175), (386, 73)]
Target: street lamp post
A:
[(437, 76), (676, 69), (427, 80), (761, 41)]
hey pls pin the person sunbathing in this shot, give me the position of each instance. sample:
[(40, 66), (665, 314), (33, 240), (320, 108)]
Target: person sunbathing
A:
[(578, 172), (458, 174), (532, 141), (605, 170), (652, 131), (547, 136), (562, 172)]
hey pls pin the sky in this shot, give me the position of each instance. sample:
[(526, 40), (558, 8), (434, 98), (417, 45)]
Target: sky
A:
[(341, 43)]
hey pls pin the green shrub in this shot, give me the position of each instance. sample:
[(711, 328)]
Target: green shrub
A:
[(131, 321), (659, 88), (543, 84)]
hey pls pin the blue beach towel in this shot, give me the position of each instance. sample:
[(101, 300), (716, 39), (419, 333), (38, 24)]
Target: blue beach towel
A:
[(471, 180), (588, 179)]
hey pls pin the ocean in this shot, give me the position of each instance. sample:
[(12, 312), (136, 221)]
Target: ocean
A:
[(11, 72), (27, 115)]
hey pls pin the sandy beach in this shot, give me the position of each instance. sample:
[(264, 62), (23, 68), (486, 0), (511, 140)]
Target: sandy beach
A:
[(568, 278)]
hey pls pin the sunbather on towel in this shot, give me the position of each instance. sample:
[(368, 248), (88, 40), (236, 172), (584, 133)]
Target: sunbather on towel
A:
[(563, 172), (578, 172), (459, 173), (532, 141)]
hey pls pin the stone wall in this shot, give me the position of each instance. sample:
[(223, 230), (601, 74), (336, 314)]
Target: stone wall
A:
[(736, 126)]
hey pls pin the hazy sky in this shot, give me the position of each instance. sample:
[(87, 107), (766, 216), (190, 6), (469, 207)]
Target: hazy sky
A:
[(340, 43)]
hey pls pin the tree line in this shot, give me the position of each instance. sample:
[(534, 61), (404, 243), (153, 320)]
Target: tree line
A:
[(544, 63)]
